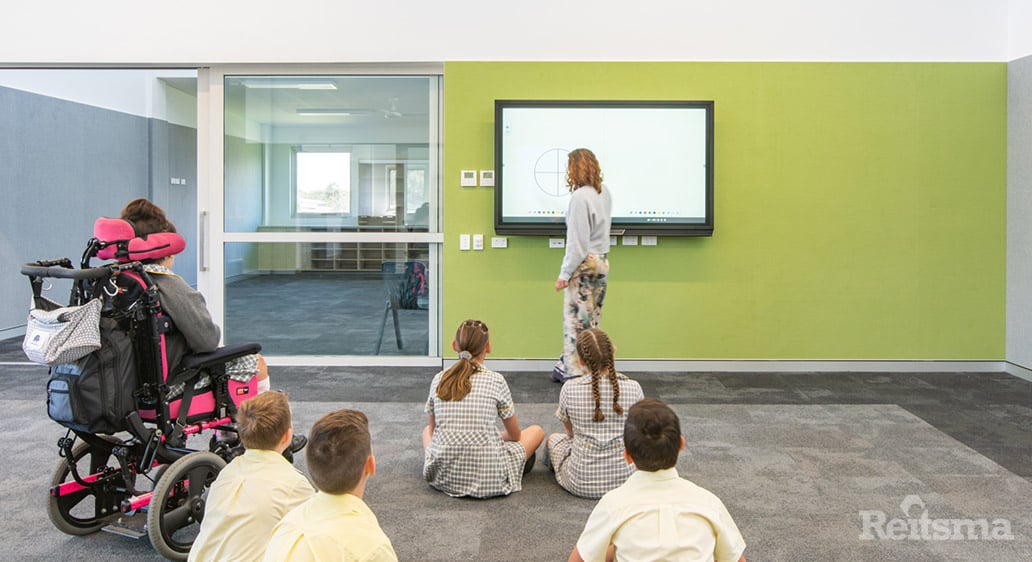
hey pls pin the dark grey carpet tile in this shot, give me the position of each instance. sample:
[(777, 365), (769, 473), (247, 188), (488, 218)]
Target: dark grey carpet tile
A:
[(353, 384)]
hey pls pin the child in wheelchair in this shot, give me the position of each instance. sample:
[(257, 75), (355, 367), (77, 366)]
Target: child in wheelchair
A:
[(133, 407), (196, 331)]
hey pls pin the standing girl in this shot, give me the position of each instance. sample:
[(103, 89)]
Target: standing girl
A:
[(464, 454), (588, 459), (585, 266)]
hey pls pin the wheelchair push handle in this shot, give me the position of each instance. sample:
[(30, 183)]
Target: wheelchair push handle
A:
[(62, 269)]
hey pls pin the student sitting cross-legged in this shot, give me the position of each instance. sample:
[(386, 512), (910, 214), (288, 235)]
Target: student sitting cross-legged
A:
[(655, 514), (588, 458), (252, 493), (464, 453), (335, 524)]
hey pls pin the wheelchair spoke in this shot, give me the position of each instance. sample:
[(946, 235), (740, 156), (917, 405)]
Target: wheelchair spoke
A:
[(176, 519), (197, 477)]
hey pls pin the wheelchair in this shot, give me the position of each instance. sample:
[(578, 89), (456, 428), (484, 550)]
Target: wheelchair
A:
[(136, 461)]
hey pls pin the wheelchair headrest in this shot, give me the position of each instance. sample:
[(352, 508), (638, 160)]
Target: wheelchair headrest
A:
[(118, 240)]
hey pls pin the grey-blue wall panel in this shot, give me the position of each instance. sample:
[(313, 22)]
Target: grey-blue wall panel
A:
[(62, 165), (174, 155)]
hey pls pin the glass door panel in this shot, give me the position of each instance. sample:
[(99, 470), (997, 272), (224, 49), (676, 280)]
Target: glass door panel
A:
[(330, 298), (330, 192)]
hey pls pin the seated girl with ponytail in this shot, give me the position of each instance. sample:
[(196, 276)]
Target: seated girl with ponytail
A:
[(588, 459), (464, 453)]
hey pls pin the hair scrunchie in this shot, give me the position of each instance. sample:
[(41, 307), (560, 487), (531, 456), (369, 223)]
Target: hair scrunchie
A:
[(465, 355)]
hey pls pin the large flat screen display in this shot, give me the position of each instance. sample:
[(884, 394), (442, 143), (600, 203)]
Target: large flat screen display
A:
[(656, 159)]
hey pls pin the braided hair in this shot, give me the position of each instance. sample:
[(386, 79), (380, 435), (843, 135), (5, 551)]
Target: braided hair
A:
[(471, 340), (596, 351)]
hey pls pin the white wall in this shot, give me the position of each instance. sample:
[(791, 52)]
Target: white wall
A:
[(136, 92), (318, 31)]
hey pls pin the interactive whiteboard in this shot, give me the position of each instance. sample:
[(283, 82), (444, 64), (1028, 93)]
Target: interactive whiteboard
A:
[(656, 159)]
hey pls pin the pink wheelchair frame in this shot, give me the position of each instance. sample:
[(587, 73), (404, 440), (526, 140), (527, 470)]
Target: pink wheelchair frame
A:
[(148, 468)]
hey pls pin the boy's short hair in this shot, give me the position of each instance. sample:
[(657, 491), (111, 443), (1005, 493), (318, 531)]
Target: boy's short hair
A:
[(652, 435), (263, 420), (338, 447)]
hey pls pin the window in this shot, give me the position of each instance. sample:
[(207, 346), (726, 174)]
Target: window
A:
[(322, 182)]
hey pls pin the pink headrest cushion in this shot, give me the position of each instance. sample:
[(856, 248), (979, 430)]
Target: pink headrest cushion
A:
[(119, 241)]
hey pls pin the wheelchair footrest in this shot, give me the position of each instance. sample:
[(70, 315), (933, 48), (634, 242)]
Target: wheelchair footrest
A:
[(133, 527)]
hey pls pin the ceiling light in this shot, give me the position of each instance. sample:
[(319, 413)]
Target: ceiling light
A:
[(280, 84), (325, 111)]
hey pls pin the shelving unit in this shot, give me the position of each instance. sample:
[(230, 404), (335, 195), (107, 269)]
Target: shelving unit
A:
[(339, 256), (361, 256)]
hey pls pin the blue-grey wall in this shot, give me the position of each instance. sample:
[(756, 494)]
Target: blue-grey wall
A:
[(62, 165)]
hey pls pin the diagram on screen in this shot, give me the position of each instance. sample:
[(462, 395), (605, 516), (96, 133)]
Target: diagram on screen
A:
[(550, 172)]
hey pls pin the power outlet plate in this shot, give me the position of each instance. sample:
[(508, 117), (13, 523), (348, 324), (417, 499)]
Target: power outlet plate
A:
[(556, 242)]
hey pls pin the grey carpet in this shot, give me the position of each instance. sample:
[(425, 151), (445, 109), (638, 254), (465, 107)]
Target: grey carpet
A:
[(796, 458)]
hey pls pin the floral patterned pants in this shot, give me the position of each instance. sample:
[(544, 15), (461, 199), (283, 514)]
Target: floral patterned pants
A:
[(582, 309)]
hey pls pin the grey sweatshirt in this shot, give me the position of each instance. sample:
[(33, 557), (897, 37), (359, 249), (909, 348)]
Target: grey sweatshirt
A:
[(196, 331), (587, 227)]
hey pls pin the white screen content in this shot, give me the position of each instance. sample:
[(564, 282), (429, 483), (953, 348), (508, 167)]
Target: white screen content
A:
[(653, 160)]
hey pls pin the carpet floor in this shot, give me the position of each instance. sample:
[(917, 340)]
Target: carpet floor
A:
[(807, 464)]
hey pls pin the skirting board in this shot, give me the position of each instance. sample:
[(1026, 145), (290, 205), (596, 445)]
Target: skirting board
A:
[(763, 366), (16, 332), (659, 365), (1018, 371)]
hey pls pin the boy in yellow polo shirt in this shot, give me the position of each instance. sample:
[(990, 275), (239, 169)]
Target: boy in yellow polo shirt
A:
[(255, 491), (335, 524), (656, 514)]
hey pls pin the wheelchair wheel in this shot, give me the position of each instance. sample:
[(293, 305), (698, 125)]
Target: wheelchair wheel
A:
[(177, 505), (88, 510)]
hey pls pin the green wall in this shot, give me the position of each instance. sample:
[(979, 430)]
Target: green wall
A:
[(860, 214)]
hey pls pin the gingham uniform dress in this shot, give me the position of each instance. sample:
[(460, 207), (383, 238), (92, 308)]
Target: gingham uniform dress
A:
[(466, 455), (592, 462)]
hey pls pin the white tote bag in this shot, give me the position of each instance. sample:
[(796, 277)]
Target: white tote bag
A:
[(63, 334)]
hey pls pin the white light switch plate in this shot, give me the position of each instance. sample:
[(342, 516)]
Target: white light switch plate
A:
[(478, 241), (630, 240), (648, 241), (556, 242), (464, 241), (499, 242)]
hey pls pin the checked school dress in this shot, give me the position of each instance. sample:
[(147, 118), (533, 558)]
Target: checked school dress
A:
[(591, 463), (466, 455)]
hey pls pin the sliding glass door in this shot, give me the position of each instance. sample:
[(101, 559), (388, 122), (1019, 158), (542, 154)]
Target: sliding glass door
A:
[(320, 213)]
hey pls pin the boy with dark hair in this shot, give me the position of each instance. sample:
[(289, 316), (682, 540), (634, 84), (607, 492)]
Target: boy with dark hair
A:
[(335, 524), (255, 491), (655, 514)]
